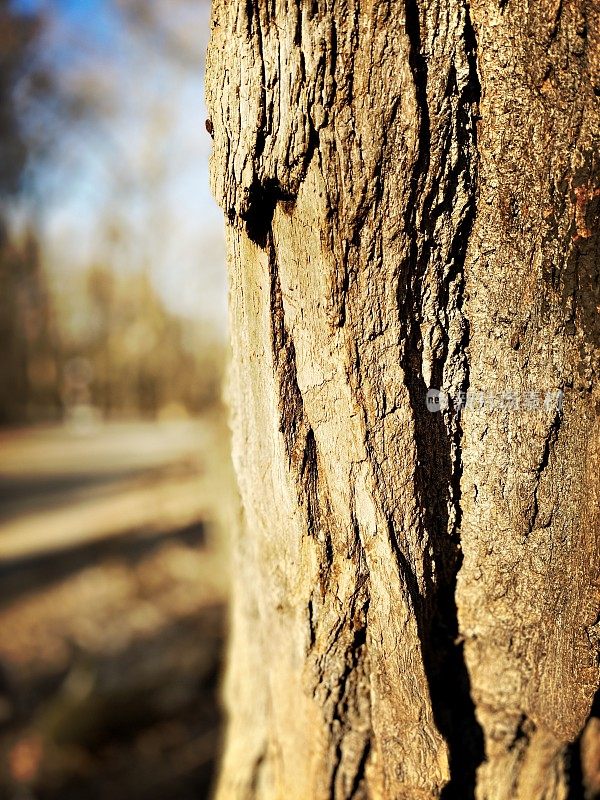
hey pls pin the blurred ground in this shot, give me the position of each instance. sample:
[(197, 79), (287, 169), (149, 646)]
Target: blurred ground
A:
[(113, 586), (113, 553)]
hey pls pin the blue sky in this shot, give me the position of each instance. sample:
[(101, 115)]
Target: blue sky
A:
[(137, 160)]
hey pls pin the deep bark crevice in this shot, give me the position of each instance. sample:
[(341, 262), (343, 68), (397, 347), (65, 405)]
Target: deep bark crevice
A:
[(577, 789), (357, 788), (418, 67), (549, 444), (292, 419), (438, 438), (261, 202), (347, 682), (255, 775)]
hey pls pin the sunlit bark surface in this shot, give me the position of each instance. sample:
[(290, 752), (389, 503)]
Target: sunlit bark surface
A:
[(411, 195)]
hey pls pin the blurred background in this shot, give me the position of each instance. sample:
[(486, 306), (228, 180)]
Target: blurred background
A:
[(115, 482)]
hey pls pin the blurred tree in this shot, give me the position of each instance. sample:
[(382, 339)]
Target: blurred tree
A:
[(101, 337), (16, 34), (27, 356), (126, 354)]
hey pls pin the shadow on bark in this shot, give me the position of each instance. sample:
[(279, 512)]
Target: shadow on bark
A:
[(438, 436)]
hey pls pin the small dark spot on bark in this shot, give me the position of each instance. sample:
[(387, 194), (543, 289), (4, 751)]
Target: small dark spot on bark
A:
[(287, 206), (209, 126)]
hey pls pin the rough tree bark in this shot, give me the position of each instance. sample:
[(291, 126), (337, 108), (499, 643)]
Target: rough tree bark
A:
[(411, 190)]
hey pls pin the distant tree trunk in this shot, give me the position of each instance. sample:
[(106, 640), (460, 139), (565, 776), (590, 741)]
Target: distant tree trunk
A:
[(412, 192)]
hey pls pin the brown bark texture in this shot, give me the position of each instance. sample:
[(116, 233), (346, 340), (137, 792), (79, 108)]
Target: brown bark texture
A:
[(411, 191)]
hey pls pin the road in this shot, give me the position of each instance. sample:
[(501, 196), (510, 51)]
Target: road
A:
[(62, 486), (113, 586)]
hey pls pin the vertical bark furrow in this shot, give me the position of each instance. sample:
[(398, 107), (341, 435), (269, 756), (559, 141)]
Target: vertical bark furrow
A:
[(292, 420), (438, 438)]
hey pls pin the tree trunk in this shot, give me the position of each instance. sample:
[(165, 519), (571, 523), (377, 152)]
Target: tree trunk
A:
[(412, 191)]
